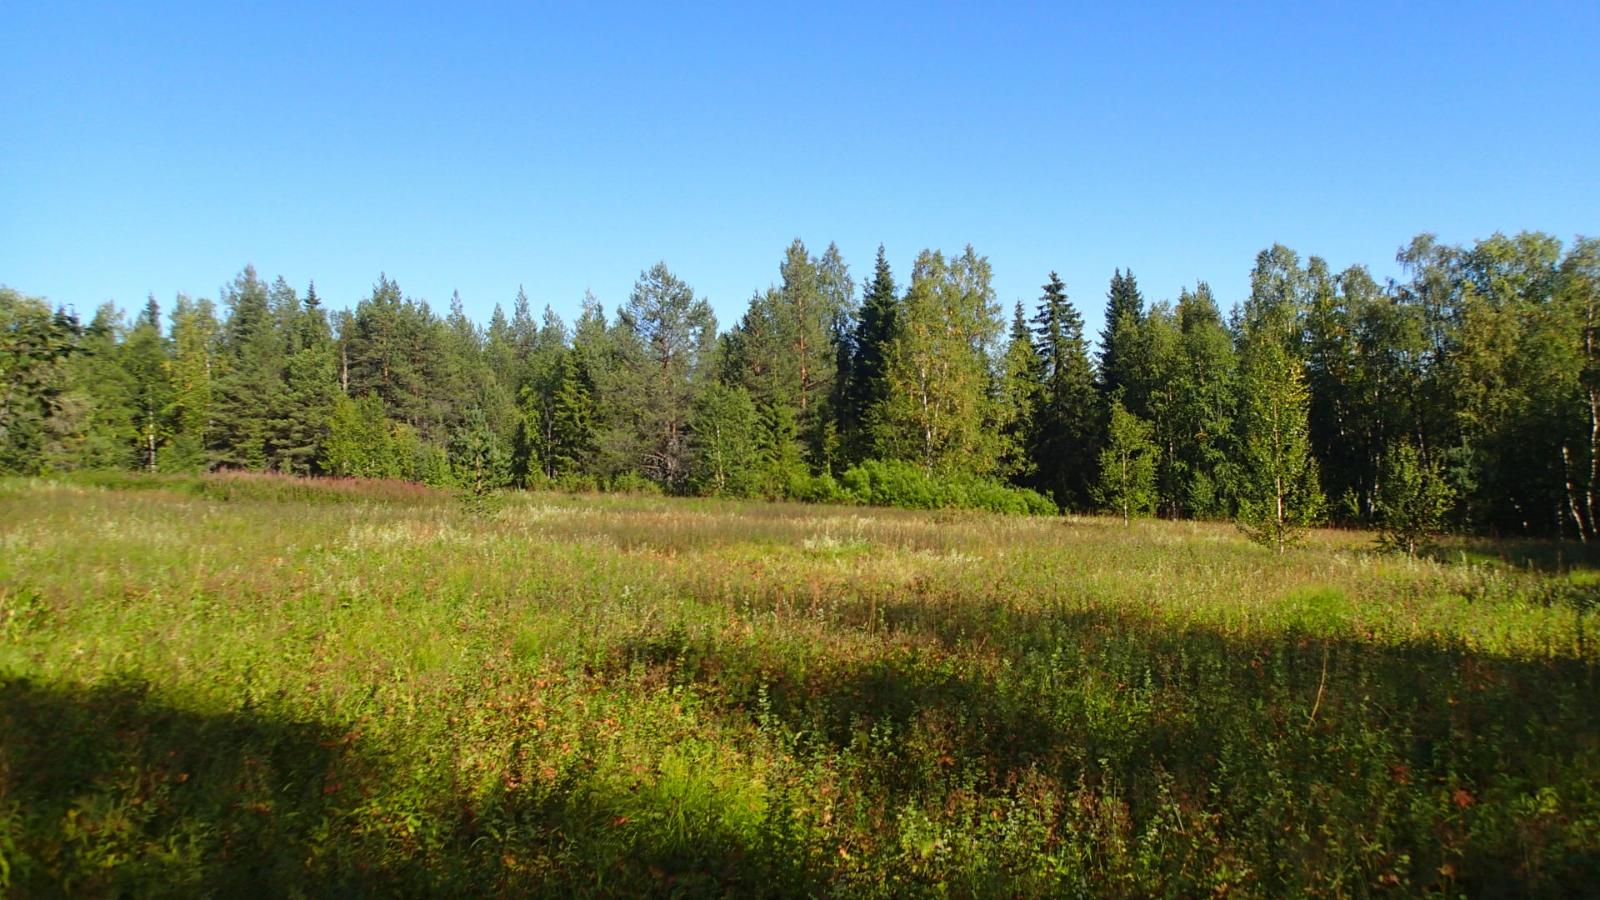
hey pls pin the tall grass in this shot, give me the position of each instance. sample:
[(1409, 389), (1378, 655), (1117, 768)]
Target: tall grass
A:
[(230, 686)]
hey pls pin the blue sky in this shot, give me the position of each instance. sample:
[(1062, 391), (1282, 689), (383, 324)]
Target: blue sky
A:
[(157, 147)]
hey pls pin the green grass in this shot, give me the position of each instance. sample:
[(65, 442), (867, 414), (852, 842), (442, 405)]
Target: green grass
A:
[(255, 686)]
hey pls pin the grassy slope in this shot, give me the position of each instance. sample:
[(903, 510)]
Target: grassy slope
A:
[(229, 687)]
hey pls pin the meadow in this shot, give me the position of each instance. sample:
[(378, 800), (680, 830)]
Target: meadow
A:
[(255, 686)]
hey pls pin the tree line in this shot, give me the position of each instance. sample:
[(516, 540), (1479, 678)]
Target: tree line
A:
[(1464, 393)]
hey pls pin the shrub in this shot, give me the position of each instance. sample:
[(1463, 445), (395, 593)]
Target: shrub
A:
[(633, 483), (1413, 500), (902, 484)]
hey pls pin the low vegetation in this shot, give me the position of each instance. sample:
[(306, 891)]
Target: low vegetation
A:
[(262, 685)]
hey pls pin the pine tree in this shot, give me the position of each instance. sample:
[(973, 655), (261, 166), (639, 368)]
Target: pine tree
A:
[(665, 336), (395, 349), (1127, 465)]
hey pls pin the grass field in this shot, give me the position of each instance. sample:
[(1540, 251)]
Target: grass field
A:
[(253, 686)]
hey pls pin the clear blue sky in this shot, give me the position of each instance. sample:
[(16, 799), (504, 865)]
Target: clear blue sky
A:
[(154, 147)]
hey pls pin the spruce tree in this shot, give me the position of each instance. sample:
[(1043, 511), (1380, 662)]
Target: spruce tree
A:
[(1021, 386), (1206, 409), (478, 462), (251, 379), (100, 375), (35, 344), (874, 329), (1124, 314), (1067, 432)]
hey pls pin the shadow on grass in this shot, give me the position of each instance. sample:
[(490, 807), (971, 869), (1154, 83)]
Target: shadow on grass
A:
[(1467, 771), (110, 792), (1463, 772), (107, 791), (1528, 554)]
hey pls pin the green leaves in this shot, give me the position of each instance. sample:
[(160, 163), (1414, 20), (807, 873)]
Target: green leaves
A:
[(1279, 493), (1127, 465), (1413, 500)]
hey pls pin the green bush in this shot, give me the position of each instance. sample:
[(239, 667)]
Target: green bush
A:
[(822, 488), (902, 484), (633, 483)]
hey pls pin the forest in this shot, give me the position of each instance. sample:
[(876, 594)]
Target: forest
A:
[(1464, 394)]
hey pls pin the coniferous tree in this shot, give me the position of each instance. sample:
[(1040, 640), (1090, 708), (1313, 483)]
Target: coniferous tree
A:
[(1158, 389), (1021, 385), (838, 291), (38, 428), (251, 376), (785, 349), (1124, 315), (310, 389), (478, 463), (1206, 409), (1483, 359), (524, 334), (572, 418), (1067, 423), (874, 329), (102, 384), (664, 336)]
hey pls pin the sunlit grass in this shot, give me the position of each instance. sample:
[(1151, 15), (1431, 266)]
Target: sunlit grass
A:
[(214, 684)]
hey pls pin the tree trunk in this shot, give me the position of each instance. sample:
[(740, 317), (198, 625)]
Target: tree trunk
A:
[(1572, 496), (1594, 453)]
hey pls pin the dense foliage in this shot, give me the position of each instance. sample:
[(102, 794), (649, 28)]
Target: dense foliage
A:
[(1483, 360)]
